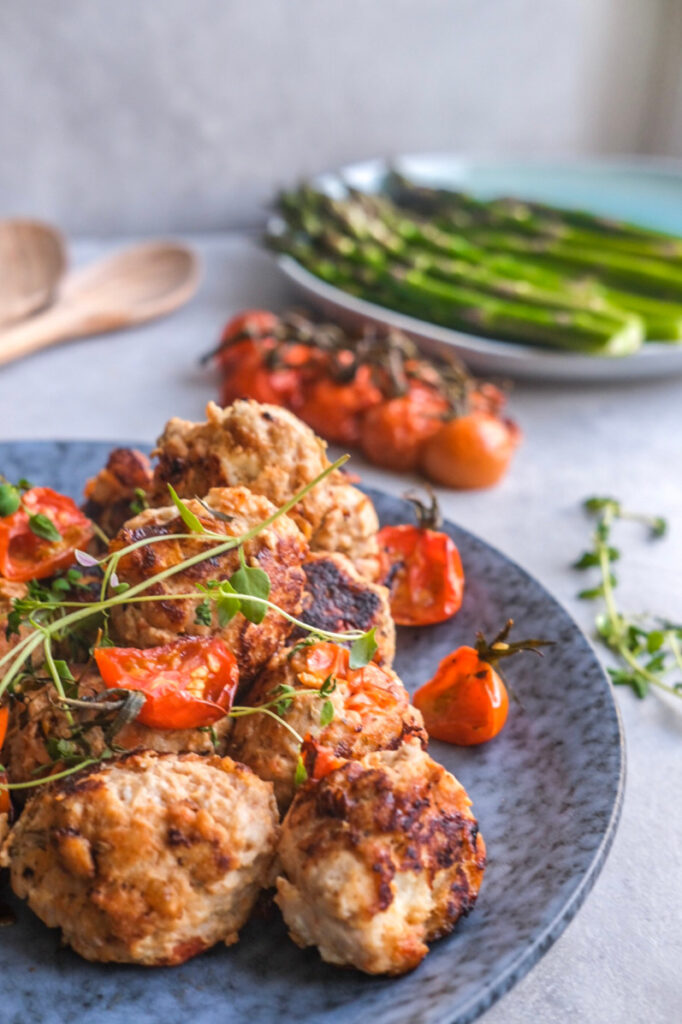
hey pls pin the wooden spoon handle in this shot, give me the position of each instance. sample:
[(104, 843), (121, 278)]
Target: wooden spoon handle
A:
[(55, 325)]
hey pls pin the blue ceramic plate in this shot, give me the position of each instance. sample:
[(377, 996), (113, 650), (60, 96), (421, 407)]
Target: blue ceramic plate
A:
[(644, 192), (547, 793)]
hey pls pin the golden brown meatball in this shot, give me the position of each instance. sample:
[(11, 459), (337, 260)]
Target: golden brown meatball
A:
[(37, 724), (371, 712), (279, 550), (149, 859), (110, 494), (379, 857), (337, 598), (273, 453), (349, 524)]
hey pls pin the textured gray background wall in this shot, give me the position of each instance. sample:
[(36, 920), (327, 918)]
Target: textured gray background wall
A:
[(135, 115)]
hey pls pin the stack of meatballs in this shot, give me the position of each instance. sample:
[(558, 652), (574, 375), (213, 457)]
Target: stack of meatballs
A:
[(157, 854)]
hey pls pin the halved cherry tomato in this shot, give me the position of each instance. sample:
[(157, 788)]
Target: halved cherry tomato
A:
[(466, 702), (370, 686), (394, 431), (24, 555), (423, 570), (470, 451), (335, 409), (5, 803), (187, 684)]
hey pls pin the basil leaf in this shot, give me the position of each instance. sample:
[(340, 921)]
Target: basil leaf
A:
[(43, 527), (189, 519), (363, 649), (9, 500), (251, 581)]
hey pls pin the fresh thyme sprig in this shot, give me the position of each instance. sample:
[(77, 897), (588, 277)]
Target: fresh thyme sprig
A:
[(649, 651)]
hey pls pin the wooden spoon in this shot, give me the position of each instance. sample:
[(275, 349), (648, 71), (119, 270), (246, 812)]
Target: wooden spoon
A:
[(122, 290), (32, 263)]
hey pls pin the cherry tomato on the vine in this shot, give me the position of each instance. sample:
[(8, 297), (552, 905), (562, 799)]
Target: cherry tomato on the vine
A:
[(394, 431), (470, 451)]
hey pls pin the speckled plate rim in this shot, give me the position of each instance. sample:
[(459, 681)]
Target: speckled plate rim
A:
[(527, 959), (490, 992), (654, 359)]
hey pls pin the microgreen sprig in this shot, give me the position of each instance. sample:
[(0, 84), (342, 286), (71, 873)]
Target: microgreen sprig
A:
[(50, 615), (648, 652)]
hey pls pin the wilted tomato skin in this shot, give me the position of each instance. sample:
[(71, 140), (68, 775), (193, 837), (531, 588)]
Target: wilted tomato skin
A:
[(423, 572), (394, 431), (466, 702), (471, 451), (187, 684)]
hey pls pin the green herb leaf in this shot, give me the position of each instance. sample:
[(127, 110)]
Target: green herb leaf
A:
[(203, 614), (63, 670), (363, 649), (192, 522), (659, 526), (300, 775), (256, 583), (41, 526), (227, 606), (10, 500), (327, 713)]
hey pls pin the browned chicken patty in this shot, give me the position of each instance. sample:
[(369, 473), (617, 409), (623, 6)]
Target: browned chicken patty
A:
[(279, 550), (372, 712), (37, 724), (272, 452), (148, 859), (337, 598), (8, 592), (378, 858), (110, 495)]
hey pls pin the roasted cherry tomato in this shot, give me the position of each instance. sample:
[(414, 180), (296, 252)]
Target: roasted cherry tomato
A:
[(318, 759), (187, 684), (394, 431), (470, 451), (247, 372), (26, 556), (335, 408), (252, 323), (5, 802), (423, 569), (466, 702)]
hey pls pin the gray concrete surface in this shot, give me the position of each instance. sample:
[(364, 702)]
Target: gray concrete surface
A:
[(619, 960), (142, 115)]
